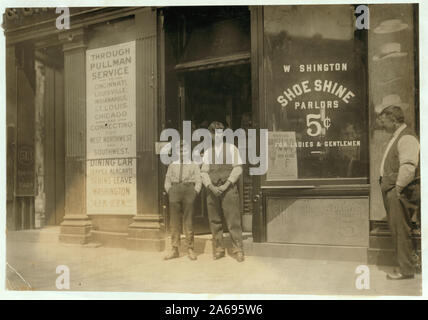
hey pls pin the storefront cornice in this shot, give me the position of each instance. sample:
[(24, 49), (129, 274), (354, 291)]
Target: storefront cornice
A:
[(47, 28), (214, 62), (73, 39)]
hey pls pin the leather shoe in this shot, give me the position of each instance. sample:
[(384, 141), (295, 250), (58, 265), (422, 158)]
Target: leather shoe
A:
[(240, 256), (219, 255), (399, 276), (172, 255), (191, 254)]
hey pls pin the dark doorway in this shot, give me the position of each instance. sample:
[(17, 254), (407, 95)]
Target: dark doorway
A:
[(207, 74), (54, 148), (220, 94)]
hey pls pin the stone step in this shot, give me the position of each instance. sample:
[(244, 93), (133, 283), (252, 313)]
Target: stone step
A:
[(384, 257), (385, 242), (304, 251), (380, 251), (46, 234)]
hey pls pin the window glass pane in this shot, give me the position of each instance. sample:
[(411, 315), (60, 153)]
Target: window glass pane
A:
[(315, 91), (391, 59)]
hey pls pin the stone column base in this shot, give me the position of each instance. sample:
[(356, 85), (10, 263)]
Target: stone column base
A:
[(75, 229), (146, 233)]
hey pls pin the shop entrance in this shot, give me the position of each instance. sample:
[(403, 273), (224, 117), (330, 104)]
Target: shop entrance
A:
[(218, 94), (207, 76)]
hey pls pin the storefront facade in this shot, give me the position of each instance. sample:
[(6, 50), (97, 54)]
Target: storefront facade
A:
[(119, 76)]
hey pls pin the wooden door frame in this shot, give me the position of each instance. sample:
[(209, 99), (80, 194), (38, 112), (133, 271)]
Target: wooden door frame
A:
[(255, 15), (258, 114), (163, 199)]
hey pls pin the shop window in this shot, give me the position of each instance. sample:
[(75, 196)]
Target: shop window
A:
[(316, 94), (393, 69)]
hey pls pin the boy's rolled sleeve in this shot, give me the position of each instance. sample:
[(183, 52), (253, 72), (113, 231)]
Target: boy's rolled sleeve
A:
[(205, 168), (167, 184), (198, 178), (205, 177), (237, 165), (235, 174)]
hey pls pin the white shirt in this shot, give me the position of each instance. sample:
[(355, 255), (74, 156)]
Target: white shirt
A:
[(408, 154), (190, 172), (232, 154)]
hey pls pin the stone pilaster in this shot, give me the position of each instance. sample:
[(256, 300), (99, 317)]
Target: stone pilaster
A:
[(11, 120), (146, 232), (40, 198), (76, 225)]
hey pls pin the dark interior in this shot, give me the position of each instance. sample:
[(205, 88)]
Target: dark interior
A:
[(222, 94)]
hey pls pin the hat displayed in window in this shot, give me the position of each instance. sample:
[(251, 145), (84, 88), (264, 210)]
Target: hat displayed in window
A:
[(215, 125), (390, 80), (390, 100), (390, 50), (389, 26)]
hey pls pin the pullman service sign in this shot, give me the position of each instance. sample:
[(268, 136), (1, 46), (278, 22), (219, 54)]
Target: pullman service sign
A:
[(111, 130)]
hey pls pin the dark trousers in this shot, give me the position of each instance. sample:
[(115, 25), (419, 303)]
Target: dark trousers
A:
[(228, 204), (400, 226), (181, 208)]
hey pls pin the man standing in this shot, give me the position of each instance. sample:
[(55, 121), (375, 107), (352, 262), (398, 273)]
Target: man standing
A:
[(398, 169), (220, 178)]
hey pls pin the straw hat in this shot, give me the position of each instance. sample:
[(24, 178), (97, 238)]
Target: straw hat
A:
[(390, 50), (389, 26), (390, 100), (390, 80)]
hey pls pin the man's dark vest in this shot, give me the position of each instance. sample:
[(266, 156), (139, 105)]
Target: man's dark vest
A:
[(392, 162), (219, 172)]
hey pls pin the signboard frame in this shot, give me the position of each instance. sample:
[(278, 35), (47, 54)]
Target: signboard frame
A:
[(111, 148)]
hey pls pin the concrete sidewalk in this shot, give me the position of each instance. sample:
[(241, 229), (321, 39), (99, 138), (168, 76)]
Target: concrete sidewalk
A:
[(115, 269)]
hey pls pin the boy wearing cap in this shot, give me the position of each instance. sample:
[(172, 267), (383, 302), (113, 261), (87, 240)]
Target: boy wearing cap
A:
[(398, 171), (220, 177), (182, 183)]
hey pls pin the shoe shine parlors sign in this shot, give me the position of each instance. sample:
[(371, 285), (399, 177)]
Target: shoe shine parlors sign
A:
[(111, 186), (316, 103), (319, 101)]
